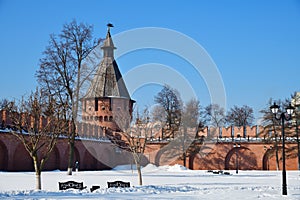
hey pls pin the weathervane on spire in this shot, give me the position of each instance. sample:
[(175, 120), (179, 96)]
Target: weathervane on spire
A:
[(109, 25)]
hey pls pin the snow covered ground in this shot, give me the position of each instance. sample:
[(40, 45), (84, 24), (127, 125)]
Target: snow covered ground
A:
[(166, 182)]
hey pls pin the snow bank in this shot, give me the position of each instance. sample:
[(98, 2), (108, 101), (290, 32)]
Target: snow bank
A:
[(151, 167), (124, 167), (166, 168), (174, 168)]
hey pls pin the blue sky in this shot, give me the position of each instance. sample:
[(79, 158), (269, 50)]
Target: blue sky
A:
[(255, 44)]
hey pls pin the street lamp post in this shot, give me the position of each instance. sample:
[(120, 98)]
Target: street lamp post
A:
[(236, 146), (283, 116)]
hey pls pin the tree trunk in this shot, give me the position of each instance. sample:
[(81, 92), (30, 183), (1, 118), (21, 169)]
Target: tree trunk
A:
[(71, 150), (184, 159), (75, 105), (244, 131), (138, 166), (38, 182), (71, 155)]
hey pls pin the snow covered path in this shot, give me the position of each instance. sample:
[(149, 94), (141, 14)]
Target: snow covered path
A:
[(159, 183)]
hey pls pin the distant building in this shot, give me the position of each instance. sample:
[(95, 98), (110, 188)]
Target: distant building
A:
[(107, 97)]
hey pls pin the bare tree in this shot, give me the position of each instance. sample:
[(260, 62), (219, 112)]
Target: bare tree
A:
[(158, 118), (158, 113), (169, 99), (37, 123), (62, 72), (190, 121), (271, 125), (240, 116), (215, 115), (135, 133), (4, 103)]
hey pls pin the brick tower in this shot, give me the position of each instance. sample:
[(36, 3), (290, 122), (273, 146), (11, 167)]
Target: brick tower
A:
[(107, 102)]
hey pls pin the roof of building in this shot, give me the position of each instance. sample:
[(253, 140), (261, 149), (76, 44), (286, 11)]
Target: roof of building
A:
[(108, 81), (108, 43)]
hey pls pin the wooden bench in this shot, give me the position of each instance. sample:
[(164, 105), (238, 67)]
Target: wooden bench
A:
[(71, 184), (221, 172), (94, 187), (118, 184)]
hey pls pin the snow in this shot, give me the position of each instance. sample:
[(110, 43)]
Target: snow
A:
[(164, 182)]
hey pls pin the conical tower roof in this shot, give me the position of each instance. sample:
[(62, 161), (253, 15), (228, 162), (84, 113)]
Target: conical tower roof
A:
[(108, 81), (108, 43)]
